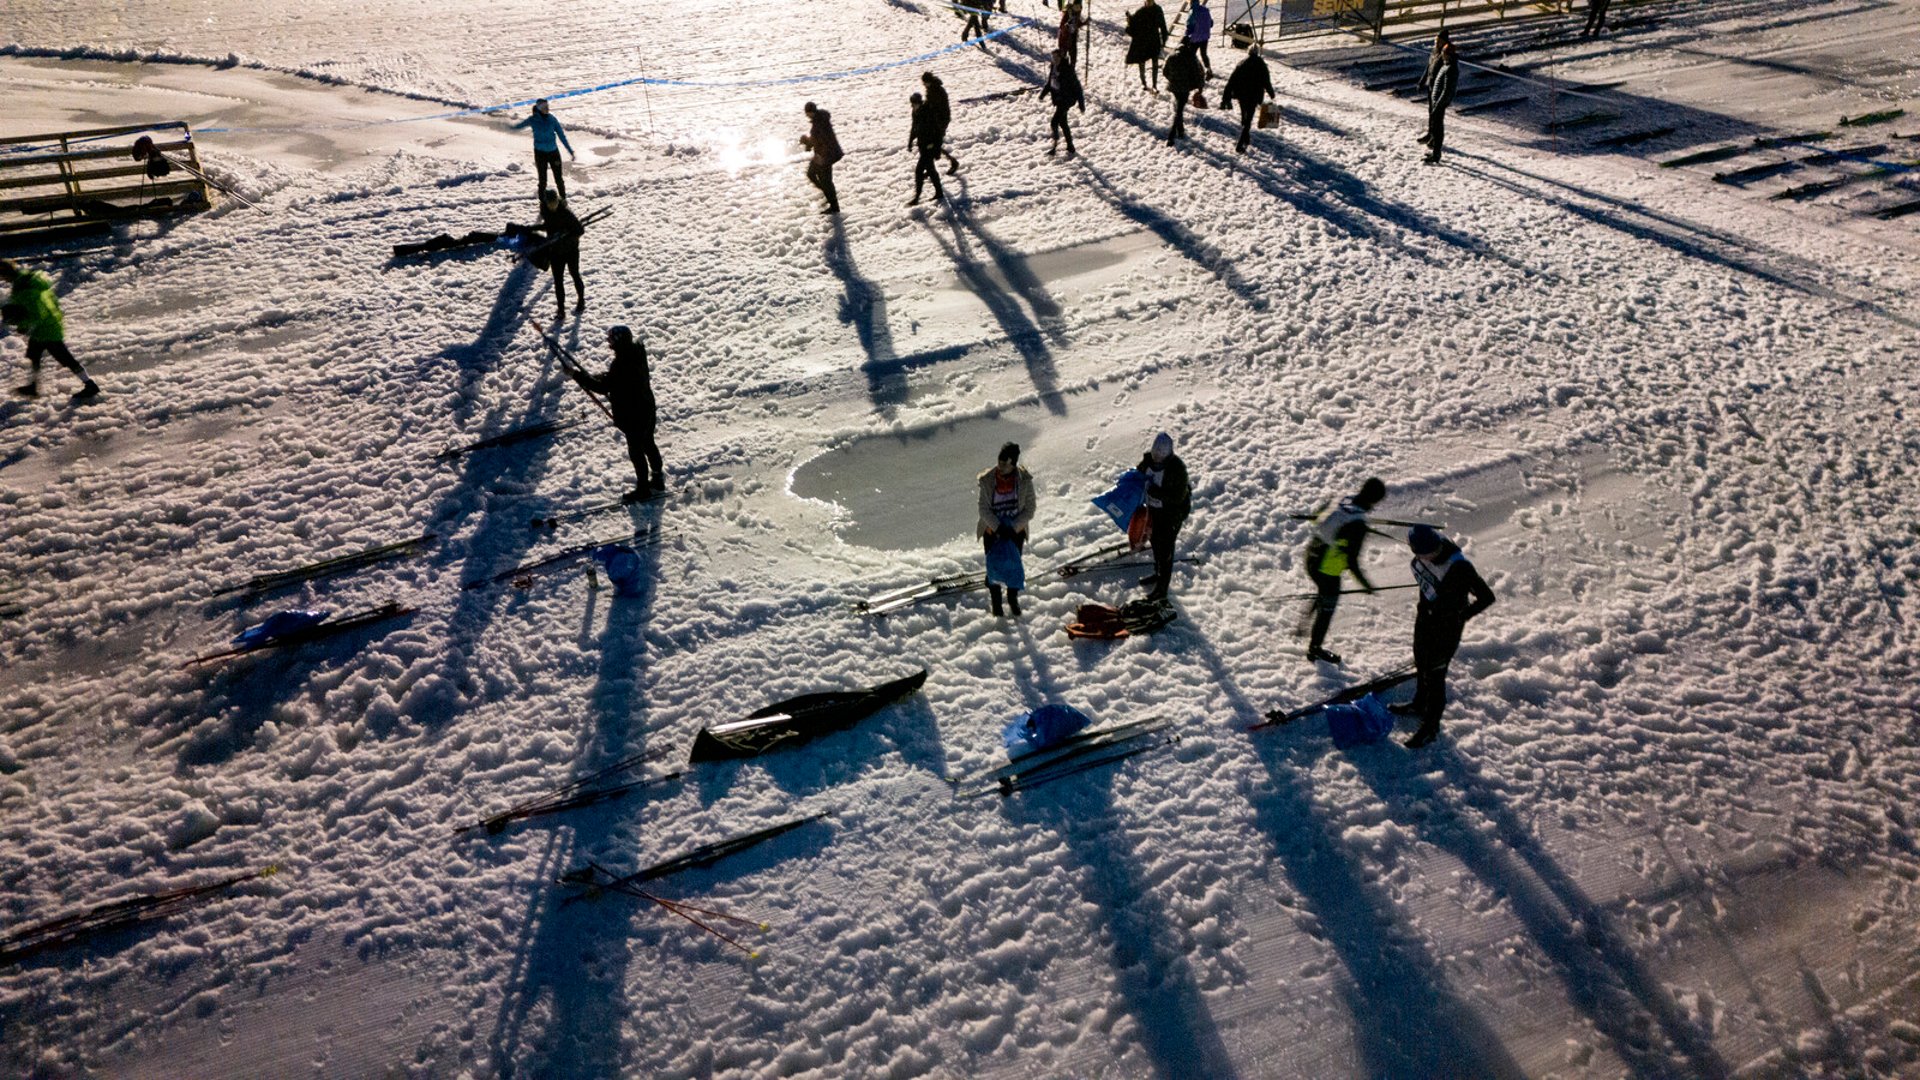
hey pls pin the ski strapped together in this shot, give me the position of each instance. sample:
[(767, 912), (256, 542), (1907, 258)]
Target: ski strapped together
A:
[(577, 793), (1277, 717), (330, 567), (1077, 753), (1106, 558), (645, 536), (117, 915), (554, 521), (606, 881), (392, 609)]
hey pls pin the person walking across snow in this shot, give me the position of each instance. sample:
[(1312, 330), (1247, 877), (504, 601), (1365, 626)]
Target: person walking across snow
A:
[(1249, 84), (1006, 509), (1169, 501), (939, 117), (1451, 592), (33, 308), (1200, 31), (826, 151), (919, 135), (1333, 549), (1064, 87), (628, 385), (548, 138), (1184, 76), (1146, 39)]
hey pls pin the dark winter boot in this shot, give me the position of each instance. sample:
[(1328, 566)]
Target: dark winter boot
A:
[(1150, 581), (87, 392), (29, 390), (1427, 733), (1318, 655), (993, 593), (1013, 602)]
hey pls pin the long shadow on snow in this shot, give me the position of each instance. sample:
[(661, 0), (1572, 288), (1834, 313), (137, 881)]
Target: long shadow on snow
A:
[(583, 1005), (865, 308), (1026, 335), (1150, 966), (1406, 1020), (1604, 978)]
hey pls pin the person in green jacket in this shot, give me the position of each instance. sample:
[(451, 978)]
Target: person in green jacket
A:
[(32, 307)]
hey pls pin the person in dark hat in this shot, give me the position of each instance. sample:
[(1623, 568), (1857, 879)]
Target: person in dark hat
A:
[(826, 151), (1006, 509), (1451, 592), (1439, 96), (628, 385), (1333, 549), (1169, 501)]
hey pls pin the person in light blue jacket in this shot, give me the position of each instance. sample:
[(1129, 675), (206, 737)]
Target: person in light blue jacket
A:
[(548, 138)]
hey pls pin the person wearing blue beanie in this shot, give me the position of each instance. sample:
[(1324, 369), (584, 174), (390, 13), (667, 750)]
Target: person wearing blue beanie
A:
[(1451, 592)]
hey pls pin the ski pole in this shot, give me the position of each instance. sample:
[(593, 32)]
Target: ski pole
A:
[(1347, 592), (567, 361)]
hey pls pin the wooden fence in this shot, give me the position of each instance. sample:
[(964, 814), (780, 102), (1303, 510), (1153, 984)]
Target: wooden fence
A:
[(76, 179)]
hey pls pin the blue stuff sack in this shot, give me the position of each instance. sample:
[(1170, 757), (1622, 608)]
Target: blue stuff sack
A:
[(623, 568), (1129, 494), (1362, 722), (1004, 565), (278, 625), (1043, 727)]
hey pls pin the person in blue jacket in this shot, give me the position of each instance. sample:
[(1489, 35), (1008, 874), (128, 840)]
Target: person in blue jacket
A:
[(1200, 31), (548, 138)]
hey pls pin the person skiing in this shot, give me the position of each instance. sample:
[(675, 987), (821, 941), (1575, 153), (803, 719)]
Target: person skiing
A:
[(1067, 37), (939, 116), (628, 385), (1249, 82), (1064, 87), (33, 308), (1146, 39), (1333, 548), (1184, 76), (1596, 17), (1451, 592), (562, 251), (1439, 96), (919, 133), (826, 150), (548, 138), (1006, 509), (1200, 30), (1169, 501)]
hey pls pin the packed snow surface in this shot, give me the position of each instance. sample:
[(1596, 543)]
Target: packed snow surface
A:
[(1668, 830)]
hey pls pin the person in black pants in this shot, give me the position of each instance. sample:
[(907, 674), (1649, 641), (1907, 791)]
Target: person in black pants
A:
[(562, 250), (920, 134), (939, 116), (1333, 550), (1064, 87), (1184, 76), (1249, 83), (1006, 513), (1451, 592), (1439, 96), (1596, 17), (826, 151), (628, 385), (1169, 501)]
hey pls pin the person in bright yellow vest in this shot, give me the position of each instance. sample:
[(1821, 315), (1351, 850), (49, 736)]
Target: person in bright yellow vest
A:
[(32, 307), (1333, 550)]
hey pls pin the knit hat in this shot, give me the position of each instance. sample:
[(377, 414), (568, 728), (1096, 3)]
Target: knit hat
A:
[(1423, 540), (1372, 491), (1163, 443), (620, 335), (1010, 452)]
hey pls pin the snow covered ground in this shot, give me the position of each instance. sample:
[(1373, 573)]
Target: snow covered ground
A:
[(1668, 831)]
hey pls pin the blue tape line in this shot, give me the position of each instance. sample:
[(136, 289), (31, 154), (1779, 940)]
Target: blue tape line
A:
[(793, 80)]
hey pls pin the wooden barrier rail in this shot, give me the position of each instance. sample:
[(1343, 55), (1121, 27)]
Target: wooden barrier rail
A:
[(47, 189)]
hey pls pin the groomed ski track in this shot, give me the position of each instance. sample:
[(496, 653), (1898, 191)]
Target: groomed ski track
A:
[(1668, 831)]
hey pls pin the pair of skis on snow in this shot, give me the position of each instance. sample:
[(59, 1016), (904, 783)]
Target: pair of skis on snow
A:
[(1081, 752), (1104, 560), (106, 918)]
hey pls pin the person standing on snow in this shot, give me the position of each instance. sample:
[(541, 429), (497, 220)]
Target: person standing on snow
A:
[(1169, 501), (1006, 509), (562, 250), (548, 138), (920, 134), (1439, 96), (1146, 39), (1200, 30), (939, 116), (1332, 550), (1184, 76), (1064, 87), (826, 151), (1451, 592), (1596, 17), (32, 307), (1440, 43), (628, 385), (1249, 83)]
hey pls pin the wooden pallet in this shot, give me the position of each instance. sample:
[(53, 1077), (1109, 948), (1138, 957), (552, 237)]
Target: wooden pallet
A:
[(63, 180)]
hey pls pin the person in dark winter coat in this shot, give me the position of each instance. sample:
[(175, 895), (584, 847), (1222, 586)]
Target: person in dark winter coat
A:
[(1596, 17), (1200, 31), (1440, 43), (33, 308), (1249, 84), (1451, 592), (939, 116), (1169, 501), (826, 151), (1439, 96), (920, 134), (1064, 87), (1146, 40), (563, 231), (628, 385), (1006, 509), (1184, 76), (548, 138), (1333, 549)]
